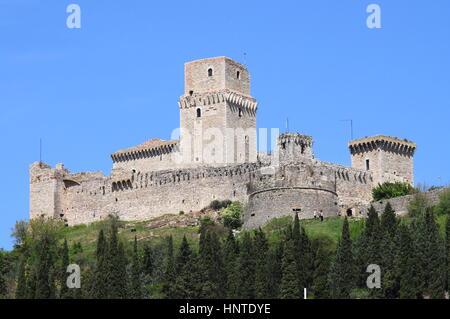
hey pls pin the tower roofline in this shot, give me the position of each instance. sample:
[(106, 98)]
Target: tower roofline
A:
[(215, 59), (372, 142)]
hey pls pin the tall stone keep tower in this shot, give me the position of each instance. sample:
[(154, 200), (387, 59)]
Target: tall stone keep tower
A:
[(217, 113), (389, 159)]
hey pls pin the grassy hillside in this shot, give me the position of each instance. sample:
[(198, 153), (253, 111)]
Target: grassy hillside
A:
[(331, 227), (86, 235)]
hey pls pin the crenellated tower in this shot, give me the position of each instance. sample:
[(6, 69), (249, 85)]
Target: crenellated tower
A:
[(292, 146), (389, 159), (217, 113)]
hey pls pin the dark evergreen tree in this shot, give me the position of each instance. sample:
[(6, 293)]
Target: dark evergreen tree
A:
[(168, 287), (230, 257), (342, 274), (21, 290), (275, 260), (45, 285), (64, 292), (212, 266), (302, 257), (388, 252), (306, 260), (246, 268), (436, 258), (389, 222), (290, 282), (99, 279), (186, 283), (429, 251), (147, 261), (116, 265), (367, 246), (406, 265), (261, 265), (322, 261), (135, 291)]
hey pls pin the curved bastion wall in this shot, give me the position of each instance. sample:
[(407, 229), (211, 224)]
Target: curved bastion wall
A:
[(270, 203)]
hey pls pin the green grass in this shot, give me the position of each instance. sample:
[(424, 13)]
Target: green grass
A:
[(331, 227), (87, 234)]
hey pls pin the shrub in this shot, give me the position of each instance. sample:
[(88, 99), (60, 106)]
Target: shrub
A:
[(390, 190), (232, 215), (181, 212), (217, 204)]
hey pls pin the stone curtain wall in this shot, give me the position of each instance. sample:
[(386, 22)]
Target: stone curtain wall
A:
[(137, 196), (400, 204), (86, 197)]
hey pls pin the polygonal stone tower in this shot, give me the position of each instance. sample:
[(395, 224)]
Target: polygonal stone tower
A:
[(389, 159), (217, 113)]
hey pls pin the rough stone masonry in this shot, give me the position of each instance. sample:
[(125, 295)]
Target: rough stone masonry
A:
[(216, 157)]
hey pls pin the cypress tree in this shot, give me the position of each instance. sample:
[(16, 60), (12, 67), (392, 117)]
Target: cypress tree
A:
[(246, 276), (147, 261), (135, 282), (186, 285), (21, 290), (388, 247), (406, 265), (168, 287), (99, 280), (389, 221), (64, 290), (322, 261), (261, 269), (429, 254), (299, 252), (367, 248), (436, 258), (290, 282), (275, 270), (341, 278), (45, 285), (115, 256), (212, 267), (231, 254), (307, 259)]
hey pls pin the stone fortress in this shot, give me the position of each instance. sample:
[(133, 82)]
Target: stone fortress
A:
[(216, 158)]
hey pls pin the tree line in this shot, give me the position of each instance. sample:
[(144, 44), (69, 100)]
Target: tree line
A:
[(413, 256)]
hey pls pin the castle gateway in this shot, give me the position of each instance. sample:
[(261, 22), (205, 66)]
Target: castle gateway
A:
[(216, 158)]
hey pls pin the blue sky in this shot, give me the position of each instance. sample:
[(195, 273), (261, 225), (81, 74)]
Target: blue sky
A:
[(115, 82)]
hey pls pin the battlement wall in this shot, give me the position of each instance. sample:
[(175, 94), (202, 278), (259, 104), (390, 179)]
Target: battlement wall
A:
[(87, 197)]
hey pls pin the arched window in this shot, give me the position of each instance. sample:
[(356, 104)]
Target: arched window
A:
[(199, 113), (238, 75), (240, 112), (210, 72)]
